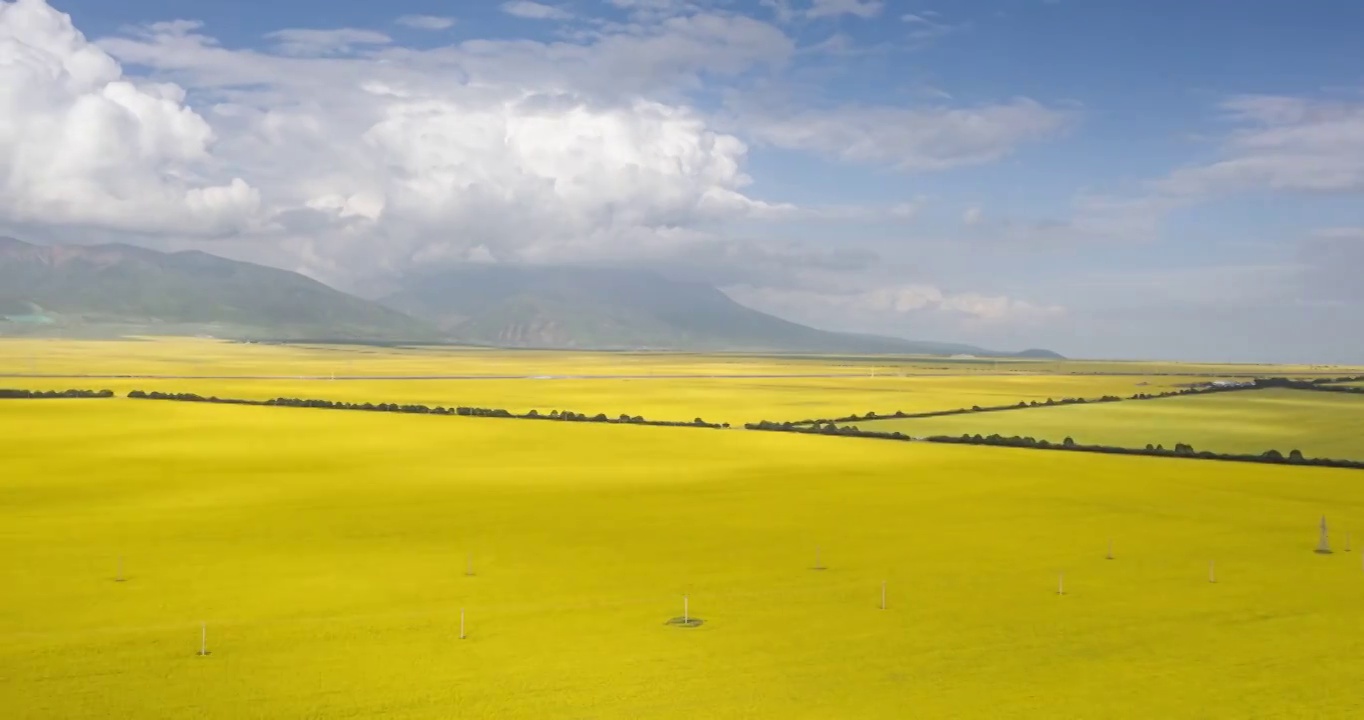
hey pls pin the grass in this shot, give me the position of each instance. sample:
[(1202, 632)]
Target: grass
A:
[(326, 552), (1320, 424)]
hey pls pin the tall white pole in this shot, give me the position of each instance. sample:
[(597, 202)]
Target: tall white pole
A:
[(1061, 584), (883, 594), (1109, 556), (1212, 571), (461, 623), (686, 620), (203, 638)]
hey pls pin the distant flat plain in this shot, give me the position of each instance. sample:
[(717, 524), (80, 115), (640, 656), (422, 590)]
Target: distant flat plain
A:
[(327, 551)]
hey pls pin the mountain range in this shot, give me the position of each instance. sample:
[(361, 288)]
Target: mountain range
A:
[(102, 290)]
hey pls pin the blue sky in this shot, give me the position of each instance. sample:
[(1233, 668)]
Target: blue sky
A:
[(1121, 179)]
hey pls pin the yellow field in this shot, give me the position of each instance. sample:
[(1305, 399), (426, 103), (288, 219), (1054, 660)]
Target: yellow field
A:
[(182, 356), (662, 386), (326, 551), (1320, 424), (735, 401)]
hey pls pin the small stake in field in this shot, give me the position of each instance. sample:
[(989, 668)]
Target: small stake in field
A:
[(1324, 542), (461, 624), (686, 620), (203, 639), (1061, 584), (1212, 571), (819, 565), (119, 577), (883, 594), (1109, 556)]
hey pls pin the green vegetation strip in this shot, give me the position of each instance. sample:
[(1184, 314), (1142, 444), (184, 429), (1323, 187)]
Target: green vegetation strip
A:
[(1317, 384), (564, 416), (1181, 450), (11, 394)]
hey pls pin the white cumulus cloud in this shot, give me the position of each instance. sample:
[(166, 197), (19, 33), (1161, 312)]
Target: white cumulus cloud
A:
[(341, 154), (534, 10), (834, 8), (426, 22), (80, 144)]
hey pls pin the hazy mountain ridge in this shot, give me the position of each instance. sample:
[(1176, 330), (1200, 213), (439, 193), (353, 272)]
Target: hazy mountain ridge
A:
[(82, 288), (122, 289), (606, 308)]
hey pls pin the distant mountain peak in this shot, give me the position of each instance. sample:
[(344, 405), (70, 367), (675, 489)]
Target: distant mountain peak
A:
[(614, 308), (87, 289), (82, 288)]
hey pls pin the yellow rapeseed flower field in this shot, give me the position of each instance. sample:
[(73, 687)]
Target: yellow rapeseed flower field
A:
[(326, 552), (718, 388), (165, 356)]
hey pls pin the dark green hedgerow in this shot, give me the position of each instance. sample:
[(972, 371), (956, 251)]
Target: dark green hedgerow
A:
[(1318, 384), (9, 394), (555, 416), (1180, 450)]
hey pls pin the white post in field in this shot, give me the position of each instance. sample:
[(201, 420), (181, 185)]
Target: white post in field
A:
[(461, 623), (883, 594), (1061, 584), (1109, 556), (685, 618), (1212, 571), (119, 576), (203, 638)]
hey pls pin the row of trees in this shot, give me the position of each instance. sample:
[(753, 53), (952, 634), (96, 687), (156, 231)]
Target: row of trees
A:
[(1049, 402), (556, 415), (1275, 457), (824, 429), (1318, 384), (9, 394), (1183, 450)]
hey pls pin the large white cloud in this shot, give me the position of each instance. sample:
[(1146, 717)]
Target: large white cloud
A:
[(80, 144), (367, 158)]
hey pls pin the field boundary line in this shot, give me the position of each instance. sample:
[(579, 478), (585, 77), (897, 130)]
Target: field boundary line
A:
[(1181, 450), (417, 409), (1318, 385)]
